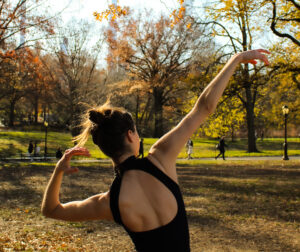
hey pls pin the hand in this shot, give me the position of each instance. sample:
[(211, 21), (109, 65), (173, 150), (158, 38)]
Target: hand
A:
[(64, 163), (254, 55)]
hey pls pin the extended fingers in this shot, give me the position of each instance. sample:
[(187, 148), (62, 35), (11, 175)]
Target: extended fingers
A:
[(254, 55), (77, 151), (262, 56), (263, 51)]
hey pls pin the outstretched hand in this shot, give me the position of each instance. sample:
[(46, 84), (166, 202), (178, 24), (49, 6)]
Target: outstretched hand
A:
[(254, 55), (64, 163)]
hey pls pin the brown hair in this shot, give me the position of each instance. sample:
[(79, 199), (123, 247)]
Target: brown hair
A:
[(108, 126)]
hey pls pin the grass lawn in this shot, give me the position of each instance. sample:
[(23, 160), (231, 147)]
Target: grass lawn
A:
[(12, 143), (231, 206)]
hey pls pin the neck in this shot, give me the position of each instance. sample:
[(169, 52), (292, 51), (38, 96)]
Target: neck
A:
[(122, 158)]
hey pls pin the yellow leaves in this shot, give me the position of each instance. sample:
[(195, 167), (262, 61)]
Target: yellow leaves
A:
[(214, 33), (228, 115), (228, 5), (113, 11)]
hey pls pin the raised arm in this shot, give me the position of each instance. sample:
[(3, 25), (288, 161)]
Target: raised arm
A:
[(167, 148), (95, 207)]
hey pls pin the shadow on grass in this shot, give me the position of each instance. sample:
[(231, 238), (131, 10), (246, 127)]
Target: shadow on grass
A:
[(239, 191), (238, 239), (23, 184)]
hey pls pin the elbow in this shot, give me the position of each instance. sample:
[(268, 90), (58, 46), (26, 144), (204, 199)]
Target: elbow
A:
[(48, 213), (207, 105)]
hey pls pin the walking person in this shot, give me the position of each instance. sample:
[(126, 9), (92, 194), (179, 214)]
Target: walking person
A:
[(58, 153), (190, 146), (37, 149), (145, 197), (30, 150), (221, 147), (141, 150)]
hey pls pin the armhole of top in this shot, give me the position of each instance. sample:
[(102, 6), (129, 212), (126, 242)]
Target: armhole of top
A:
[(150, 168), (114, 200)]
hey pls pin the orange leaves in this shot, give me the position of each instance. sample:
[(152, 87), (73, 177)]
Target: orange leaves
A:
[(113, 11), (8, 54), (35, 59), (177, 15)]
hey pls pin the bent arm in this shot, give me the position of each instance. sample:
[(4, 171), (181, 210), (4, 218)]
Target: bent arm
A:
[(95, 207), (167, 148)]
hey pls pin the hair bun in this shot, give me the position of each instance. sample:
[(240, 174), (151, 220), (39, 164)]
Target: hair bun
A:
[(95, 117)]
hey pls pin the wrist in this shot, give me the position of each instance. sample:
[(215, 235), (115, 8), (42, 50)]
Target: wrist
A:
[(58, 169), (237, 58)]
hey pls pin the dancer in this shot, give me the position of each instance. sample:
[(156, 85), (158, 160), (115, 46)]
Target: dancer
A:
[(144, 197)]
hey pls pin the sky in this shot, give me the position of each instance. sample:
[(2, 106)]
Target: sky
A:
[(85, 8)]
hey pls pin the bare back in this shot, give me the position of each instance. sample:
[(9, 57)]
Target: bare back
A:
[(145, 203)]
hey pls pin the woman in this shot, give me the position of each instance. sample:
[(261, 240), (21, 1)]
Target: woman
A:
[(190, 148), (145, 197)]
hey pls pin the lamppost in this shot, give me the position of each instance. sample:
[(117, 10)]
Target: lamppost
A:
[(285, 111), (46, 133)]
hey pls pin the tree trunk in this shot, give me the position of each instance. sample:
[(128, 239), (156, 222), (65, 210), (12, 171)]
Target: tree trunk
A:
[(158, 112), (250, 123), (75, 121), (249, 110), (137, 112), (12, 113), (75, 109), (36, 110)]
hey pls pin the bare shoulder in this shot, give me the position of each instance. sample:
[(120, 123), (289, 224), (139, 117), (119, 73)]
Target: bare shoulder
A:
[(168, 167), (103, 205)]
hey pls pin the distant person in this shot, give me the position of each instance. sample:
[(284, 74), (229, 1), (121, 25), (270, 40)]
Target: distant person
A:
[(30, 149), (58, 154), (221, 146), (37, 149), (145, 196), (262, 136), (190, 146), (141, 150)]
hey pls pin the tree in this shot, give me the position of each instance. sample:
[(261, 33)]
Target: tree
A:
[(227, 119), (75, 74), (239, 25), (285, 19), (18, 72), (285, 23), (158, 55), (18, 17)]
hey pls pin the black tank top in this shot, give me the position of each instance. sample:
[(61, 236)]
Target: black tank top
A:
[(173, 236)]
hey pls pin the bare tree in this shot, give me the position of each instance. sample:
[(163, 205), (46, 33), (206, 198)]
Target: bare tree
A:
[(76, 73), (22, 17)]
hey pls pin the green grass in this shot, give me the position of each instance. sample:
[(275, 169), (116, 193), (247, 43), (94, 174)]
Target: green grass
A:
[(12, 143)]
